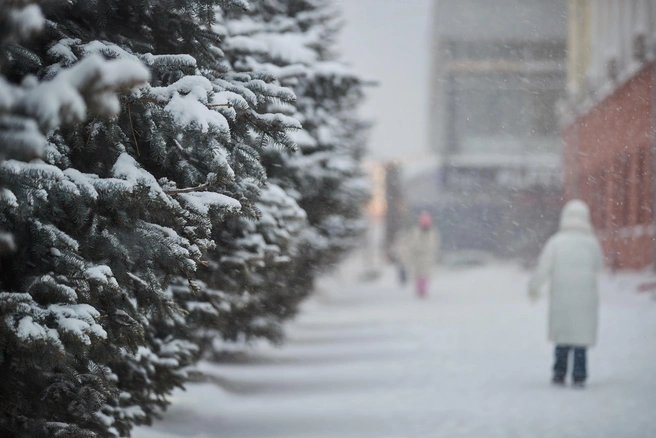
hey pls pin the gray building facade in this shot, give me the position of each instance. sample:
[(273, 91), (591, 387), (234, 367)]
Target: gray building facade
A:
[(499, 72)]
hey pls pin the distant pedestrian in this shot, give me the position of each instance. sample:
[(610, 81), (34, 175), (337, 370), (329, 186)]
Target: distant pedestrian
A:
[(422, 244), (570, 262), (399, 256)]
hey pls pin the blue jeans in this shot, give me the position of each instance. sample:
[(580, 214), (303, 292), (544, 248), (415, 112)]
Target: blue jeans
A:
[(579, 372)]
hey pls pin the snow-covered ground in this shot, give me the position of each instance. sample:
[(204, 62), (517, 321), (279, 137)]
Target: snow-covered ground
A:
[(369, 360)]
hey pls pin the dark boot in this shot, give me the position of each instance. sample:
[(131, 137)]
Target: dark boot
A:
[(578, 384), (558, 380), (580, 371), (561, 356)]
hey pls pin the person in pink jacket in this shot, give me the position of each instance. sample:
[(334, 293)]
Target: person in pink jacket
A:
[(419, 248)]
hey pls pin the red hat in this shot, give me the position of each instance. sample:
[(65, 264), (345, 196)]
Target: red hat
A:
[(425, 220)]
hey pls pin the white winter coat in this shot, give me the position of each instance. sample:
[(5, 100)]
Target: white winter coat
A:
[(570, 262), (418, 250)]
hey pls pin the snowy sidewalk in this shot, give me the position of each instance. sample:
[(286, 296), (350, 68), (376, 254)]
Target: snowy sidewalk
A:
[(368, 360)]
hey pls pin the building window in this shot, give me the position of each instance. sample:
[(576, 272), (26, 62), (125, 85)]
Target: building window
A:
[(626, 183), (543, 103), (601, 204), (546, 50), (619, 193), (639, 190), (517, 112), (589, 195), (615, 26), (644, 187), (492, 111), (484, 51)]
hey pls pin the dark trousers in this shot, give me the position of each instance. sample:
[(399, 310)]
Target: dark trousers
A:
[(579, 372)]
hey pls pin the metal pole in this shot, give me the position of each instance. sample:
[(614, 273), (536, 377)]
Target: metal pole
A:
[(575, 157)]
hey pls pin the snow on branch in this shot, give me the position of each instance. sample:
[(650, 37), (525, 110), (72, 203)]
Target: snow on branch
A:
[(202, 202), (87, 86), (21, 23)]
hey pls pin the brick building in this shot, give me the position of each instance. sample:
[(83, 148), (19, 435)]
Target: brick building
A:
[(608, 124)]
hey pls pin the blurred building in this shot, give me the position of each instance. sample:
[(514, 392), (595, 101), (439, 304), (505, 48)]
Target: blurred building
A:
[(395, 202), (421, 177), (375, 172), (387, 212), (609, 122), (498, 74)]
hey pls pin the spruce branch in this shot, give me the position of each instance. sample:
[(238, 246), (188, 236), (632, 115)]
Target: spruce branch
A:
[(208, 105), (199, 188), (93, 122), (132, 129), (178, 145)]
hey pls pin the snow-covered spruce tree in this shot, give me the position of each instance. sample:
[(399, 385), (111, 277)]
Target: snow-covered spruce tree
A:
[(246, 275), (20, 137), (259, 272), (292, 41), (64, 316), (253, 252), (327, 173), (180, 158)]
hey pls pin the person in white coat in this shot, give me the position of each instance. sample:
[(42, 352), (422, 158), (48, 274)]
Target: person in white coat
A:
[(419, 248), (570, 263)]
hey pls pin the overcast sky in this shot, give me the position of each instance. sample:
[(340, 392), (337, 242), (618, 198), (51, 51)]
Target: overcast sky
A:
[(388, 40)]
